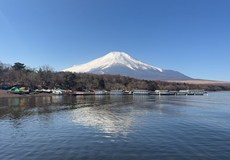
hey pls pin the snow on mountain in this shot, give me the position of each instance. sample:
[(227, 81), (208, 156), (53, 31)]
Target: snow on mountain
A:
[(123, 64), (119, 58)]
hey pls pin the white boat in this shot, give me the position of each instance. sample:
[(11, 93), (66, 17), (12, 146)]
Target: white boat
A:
[(58, 91), (164, 92), (183, 92), (100, 92), (197, 92), (83, 93), (116, 92), (43, 90), (128, 92), (191, 92), (140, 92)]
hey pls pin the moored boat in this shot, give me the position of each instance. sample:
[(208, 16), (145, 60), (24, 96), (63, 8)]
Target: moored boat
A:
[(197, 92), (191, 92), (183, 92), (58, 91), (141, 92), (116, 92), (100, 92), (164, 92), (20, 90), (83, 93)]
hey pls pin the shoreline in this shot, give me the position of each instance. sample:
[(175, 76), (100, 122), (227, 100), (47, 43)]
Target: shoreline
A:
[(6, 94)]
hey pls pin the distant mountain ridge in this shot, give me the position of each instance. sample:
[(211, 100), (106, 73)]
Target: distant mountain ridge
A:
[(120, 63)]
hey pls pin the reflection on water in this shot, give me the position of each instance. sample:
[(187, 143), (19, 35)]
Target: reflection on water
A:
[(109, 120), (23, 106), (115, 127), (112, 114)]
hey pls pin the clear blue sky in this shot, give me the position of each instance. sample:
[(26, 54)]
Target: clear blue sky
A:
[(190, 36)]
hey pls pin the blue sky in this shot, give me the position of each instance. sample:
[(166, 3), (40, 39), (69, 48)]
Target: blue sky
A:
[(190, 36)]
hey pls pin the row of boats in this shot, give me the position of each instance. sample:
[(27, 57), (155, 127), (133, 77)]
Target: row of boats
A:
[(156, 92), (137, 92), (26, 90)]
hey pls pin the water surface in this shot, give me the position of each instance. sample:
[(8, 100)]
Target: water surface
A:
[(116, 127)]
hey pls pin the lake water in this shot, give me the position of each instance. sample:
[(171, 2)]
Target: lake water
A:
[(116, 127)]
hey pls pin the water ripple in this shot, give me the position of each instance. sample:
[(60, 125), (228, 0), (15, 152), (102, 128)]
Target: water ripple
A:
[(119, 127)]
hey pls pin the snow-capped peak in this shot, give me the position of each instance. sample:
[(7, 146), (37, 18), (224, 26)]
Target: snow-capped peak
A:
[(120, 63), (111, 59)]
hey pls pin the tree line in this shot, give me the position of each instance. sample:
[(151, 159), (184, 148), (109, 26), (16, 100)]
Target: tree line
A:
[(45, 77)]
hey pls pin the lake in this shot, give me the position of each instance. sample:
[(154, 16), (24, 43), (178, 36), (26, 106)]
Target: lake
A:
[(115, 127)]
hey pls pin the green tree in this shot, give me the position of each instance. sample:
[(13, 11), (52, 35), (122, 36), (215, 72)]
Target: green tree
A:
[(101, 84), (70, 80), (18, 66)]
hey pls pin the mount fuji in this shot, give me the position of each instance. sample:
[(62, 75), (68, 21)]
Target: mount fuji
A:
[(120, 63)]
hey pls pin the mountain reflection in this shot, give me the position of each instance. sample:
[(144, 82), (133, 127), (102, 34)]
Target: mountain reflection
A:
[(115, 114), (109, 120)]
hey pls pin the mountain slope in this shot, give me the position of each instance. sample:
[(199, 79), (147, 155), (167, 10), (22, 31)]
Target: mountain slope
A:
[(123, 64)]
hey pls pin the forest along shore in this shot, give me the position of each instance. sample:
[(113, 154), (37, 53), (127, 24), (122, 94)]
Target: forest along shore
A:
[(20, 75)]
